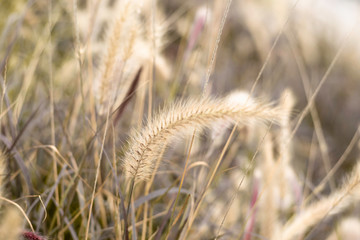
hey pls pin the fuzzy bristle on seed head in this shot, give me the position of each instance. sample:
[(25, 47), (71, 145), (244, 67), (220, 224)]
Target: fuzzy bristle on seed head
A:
[(146, 145)]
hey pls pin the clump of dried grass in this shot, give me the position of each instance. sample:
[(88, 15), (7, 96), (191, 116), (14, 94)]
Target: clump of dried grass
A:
[(133, 43)]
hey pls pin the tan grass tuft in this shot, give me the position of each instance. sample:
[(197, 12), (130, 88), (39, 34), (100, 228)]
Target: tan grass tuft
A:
[(335, 203), (347, 229), (145, 146), (109, 63), (129, 47)]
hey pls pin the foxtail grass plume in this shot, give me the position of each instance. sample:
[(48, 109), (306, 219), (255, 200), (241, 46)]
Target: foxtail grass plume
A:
[(333, 204), (128, 49), (146, 145)]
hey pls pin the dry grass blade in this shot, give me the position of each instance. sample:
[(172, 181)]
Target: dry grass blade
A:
[(21, 210), (130, 93)]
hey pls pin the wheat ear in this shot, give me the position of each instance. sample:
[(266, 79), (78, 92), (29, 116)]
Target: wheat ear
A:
[(335, 203), (146, 145)]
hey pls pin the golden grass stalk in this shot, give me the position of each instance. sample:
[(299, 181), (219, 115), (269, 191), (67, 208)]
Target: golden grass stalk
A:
[(335, 203), (287, 103), (146, 145), (284, 168), (268, 213)]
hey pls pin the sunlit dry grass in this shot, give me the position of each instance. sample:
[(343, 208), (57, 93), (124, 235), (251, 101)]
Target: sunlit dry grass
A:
[(179, 120)]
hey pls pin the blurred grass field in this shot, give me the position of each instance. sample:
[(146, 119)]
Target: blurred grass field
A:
[(79, 77)]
